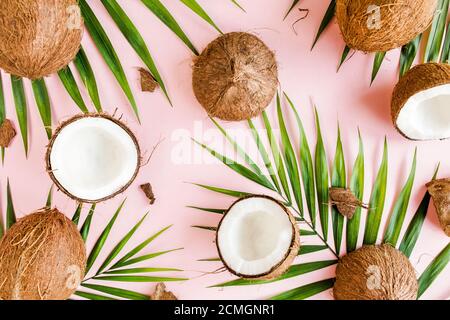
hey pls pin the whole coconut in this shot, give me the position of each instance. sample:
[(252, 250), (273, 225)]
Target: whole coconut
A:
[(376, 272), (382, 25), (38, 37), (235, 78), (42, 257)]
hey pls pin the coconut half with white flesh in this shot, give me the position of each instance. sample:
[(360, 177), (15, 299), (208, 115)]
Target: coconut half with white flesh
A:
[(93, 157), (258, 238), (421, 102)]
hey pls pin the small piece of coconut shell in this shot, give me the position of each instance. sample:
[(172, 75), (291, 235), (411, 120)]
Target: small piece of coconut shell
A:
[(375, 272), (148, 83), (345, 201), (236, 77), (440, 192), (161, 293), (7, 133), (421, 77), (148, 191)]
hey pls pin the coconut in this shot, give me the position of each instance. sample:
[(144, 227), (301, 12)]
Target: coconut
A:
[(375, 272), (235, 77), (258, 238), (440, 192), (93, 157), (42, 257), (420, 102), (382, 25), (38, 37)]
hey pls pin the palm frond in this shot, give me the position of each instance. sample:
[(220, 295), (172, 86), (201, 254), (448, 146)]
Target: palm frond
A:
[(436, 37), (294, 3), (43, 103), (68, 80), (329, 15), (195, 7), (20, 102)]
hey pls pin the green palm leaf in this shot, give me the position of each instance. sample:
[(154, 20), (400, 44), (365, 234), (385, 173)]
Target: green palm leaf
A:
[(445, 58), (87, 223), (102, 239), (48, 202), (344, 56), (138, 279), (321, 173), (87, 76), (408, 54), (305, 291), (413, 231), (10, 212), (357, 187), (142, 258), (92, 296), (378, 60), (43, 104), (436, 36), (194, 6), (290, 159), (20, 102), (76, 215), (294, 271), (306, 166), (107, 51), (160, 11), (338, 179), (395, 224), (121, 293), (218, 211), (140, 270), (135, 39), (377, 200), (329, 15), (69, 83), (433, 270), (238, 5), (311, 248), (228, 192)]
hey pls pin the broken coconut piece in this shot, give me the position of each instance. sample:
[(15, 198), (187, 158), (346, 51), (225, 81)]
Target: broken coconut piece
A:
[(420, 102), (161, 293), (148, 83), (42, 257), (7, 133), (378, 26), (148, 191), (93, 157), (375, 272), (257, 238), (345, 201), (236, 77), (440, 192), (38, 37)]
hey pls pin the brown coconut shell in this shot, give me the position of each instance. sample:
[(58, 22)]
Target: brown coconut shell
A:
[(440, 192), (401, 21), (38, 37), (285, 263), (76, 118), (236, 77), (375, 272), (42, 257), (421, 77)]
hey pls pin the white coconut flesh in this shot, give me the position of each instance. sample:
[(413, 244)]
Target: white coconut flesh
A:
[(93, 158), (255, 236), (426, 115)]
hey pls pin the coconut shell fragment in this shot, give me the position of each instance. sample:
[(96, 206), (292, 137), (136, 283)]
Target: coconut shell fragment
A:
[(162, 294), (39, 37), (148, 191), (440, 192), (7, 133), (375, 272), (236, 77), (42, 257), (421, 83), (148, 83), (382, 25), (345, 201)]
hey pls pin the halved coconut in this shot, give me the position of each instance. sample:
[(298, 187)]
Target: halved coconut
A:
[(420, 105), (258, 238), (382, 25), (93, 157)]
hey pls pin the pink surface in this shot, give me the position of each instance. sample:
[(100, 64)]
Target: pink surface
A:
[(306, 75)]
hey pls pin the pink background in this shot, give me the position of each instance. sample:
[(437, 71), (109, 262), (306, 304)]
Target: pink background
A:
[(306, 75)]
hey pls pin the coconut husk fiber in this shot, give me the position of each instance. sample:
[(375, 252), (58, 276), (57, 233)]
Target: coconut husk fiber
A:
[(421, 77), (38, 37), (236, 77), (42, 257), (279, 269), (7, 133), (375, 272), (345, 201), (400, 22), (440, 192), (162, 294)]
